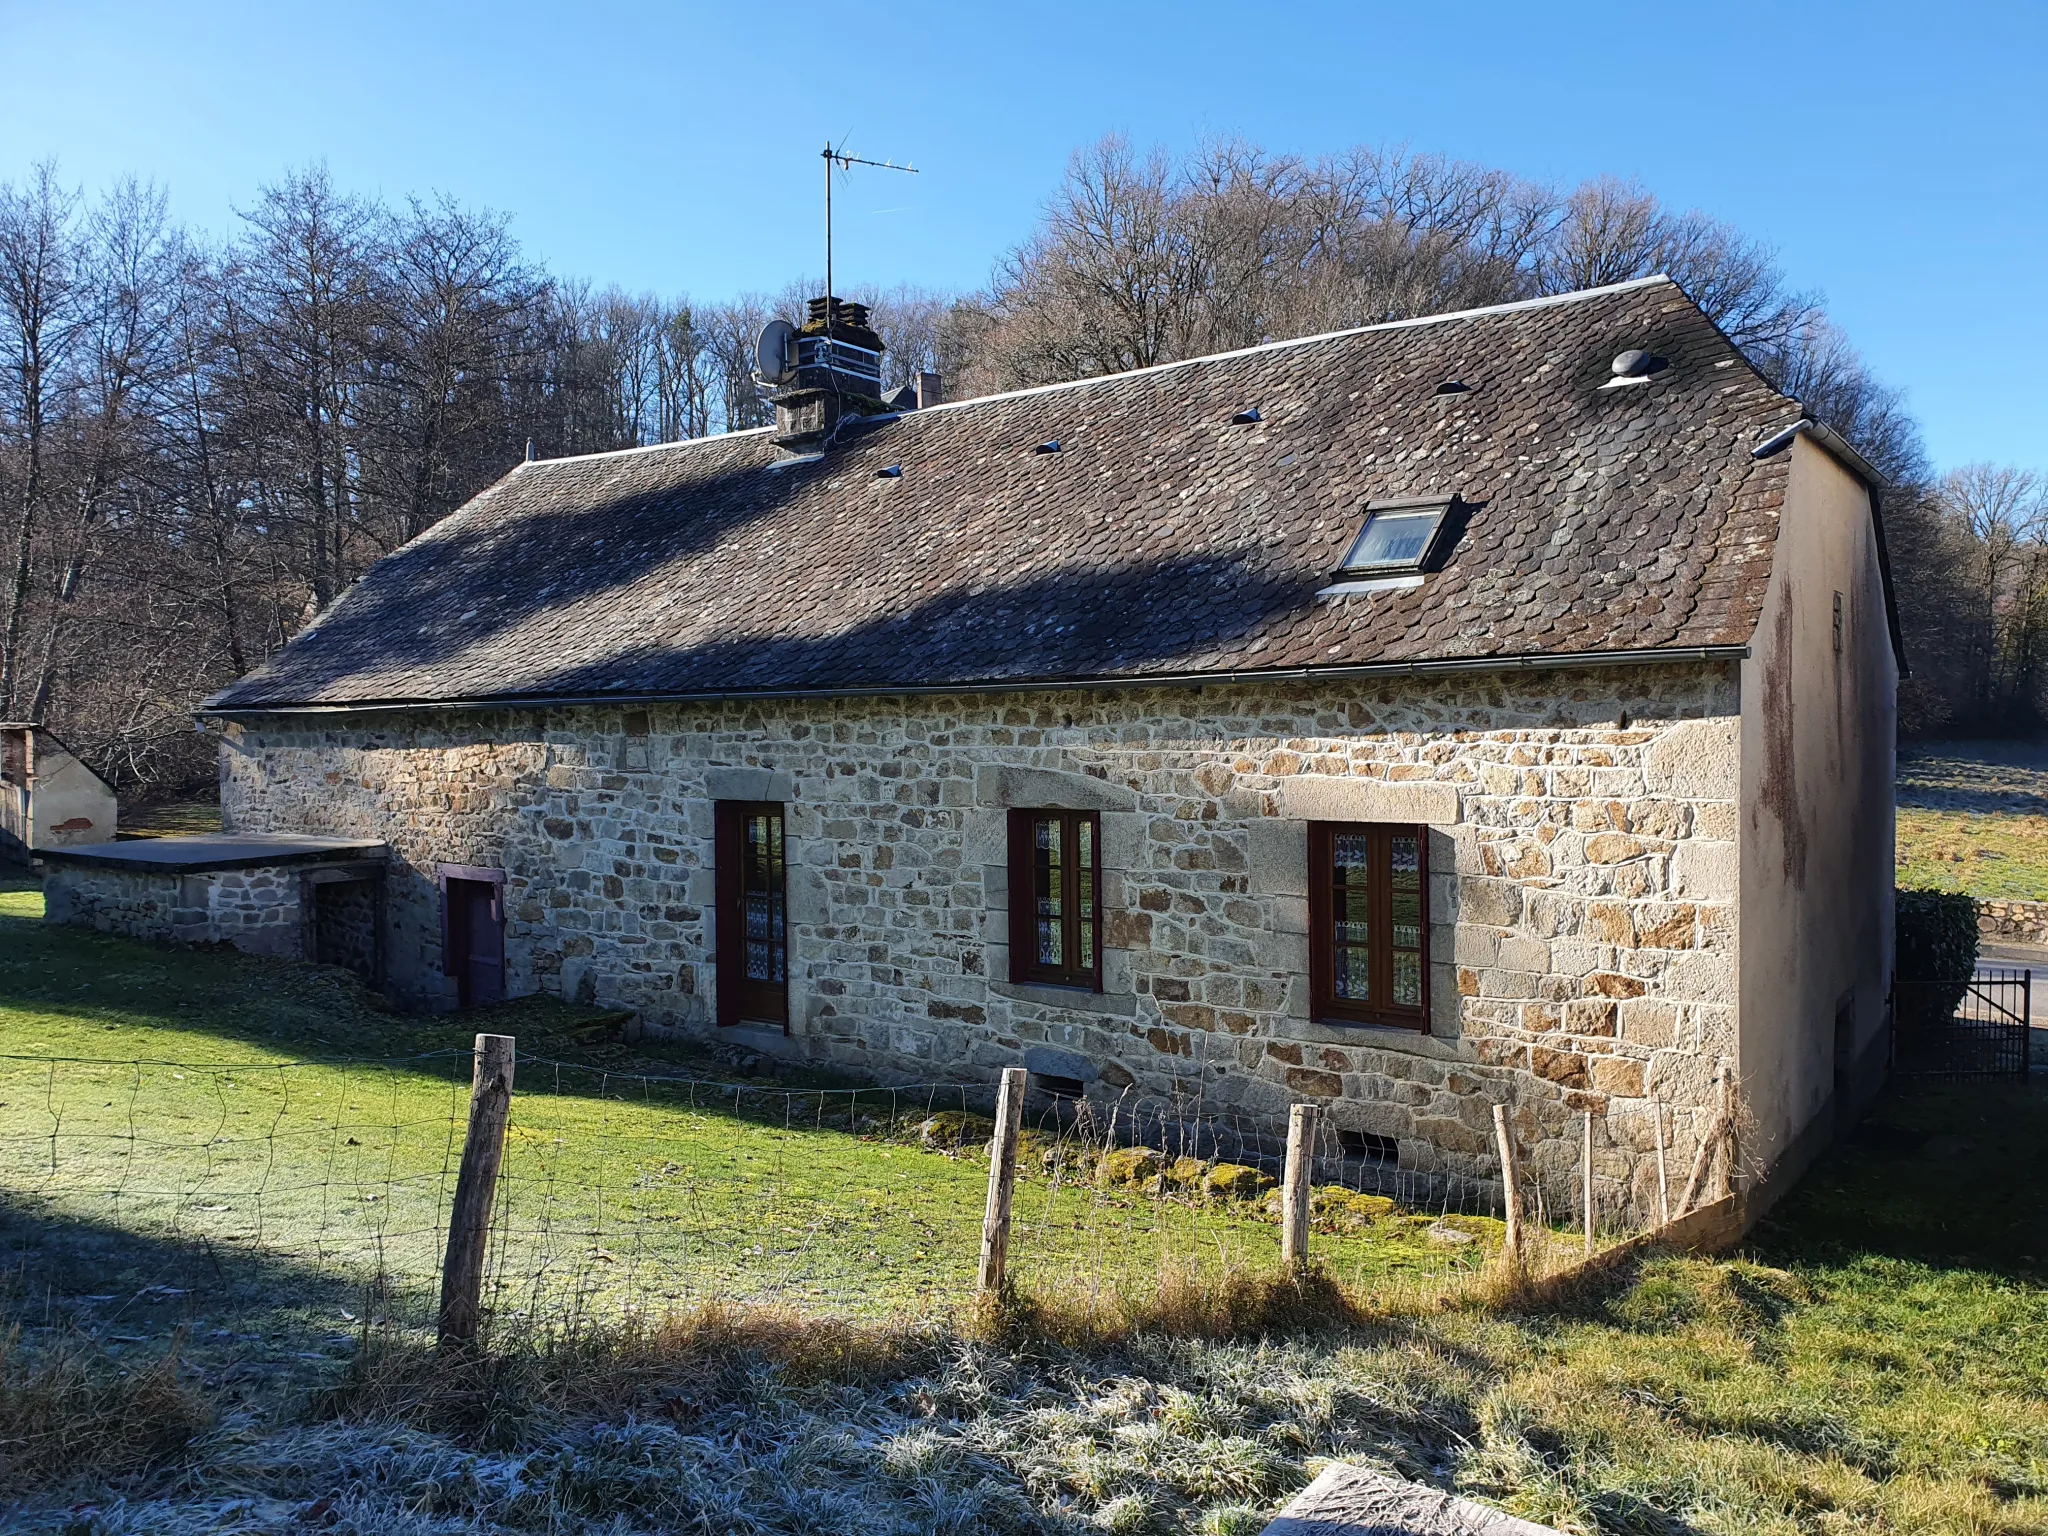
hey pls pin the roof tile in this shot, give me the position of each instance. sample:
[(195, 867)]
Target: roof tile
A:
[(1162, 540)]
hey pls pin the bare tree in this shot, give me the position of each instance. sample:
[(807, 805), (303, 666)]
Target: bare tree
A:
[(200, 448), (455, 301), (2001, 514), (307, 279), (40, 315)]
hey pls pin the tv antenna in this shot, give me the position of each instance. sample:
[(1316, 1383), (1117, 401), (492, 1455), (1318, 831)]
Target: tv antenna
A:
[(845, 162)]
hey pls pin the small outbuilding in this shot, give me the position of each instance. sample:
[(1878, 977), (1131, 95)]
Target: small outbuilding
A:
[(48, 797), (292, 897)]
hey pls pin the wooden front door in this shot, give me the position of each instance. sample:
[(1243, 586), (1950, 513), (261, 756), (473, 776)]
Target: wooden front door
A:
[(753, 927), (476, 940)]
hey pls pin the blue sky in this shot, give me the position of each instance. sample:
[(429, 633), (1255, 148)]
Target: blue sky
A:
[(1895, 156)]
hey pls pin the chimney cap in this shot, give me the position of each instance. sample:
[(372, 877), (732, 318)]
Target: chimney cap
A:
[(842, 320)]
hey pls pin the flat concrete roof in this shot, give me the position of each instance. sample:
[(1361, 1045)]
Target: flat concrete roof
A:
[(203, 851)]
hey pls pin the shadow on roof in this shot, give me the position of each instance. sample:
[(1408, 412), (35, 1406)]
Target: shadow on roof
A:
[(1064, 624), (466, 581)]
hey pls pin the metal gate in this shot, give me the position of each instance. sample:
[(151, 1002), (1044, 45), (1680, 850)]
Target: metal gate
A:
[(1964, 1029)]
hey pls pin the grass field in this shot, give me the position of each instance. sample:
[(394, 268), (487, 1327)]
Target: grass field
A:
[(275, 1119), (1973, 817), (174, 815), (1875, 1361)]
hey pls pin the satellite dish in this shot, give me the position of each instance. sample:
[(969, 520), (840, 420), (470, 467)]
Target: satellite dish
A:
[(775, 353)]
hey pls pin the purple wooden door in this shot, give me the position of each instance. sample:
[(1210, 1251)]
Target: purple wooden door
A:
[(476, 938)]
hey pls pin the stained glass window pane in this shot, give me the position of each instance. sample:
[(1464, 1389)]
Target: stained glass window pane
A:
[(1084, 842), (1407, 979), (762, 903), (1351, 949), (1049, 886), (1353, 981), (1404, 876)]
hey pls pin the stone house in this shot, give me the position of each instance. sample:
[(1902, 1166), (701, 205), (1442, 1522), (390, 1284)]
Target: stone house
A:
[(49, 797), (1495, 707)]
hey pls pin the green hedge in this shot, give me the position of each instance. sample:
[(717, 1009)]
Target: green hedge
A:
[(1935, 934)]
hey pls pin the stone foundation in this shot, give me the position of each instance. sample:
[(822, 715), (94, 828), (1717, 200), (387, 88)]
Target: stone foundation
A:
[(1581, 844)]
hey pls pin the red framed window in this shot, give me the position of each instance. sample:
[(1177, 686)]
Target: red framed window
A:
[(1055, 898), (1368, 909), (753, 921)]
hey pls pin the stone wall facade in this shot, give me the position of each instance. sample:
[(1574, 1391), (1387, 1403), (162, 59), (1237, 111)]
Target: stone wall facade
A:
[(1581, 848)]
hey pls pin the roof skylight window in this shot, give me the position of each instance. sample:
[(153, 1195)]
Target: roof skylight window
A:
[(1398, 536)]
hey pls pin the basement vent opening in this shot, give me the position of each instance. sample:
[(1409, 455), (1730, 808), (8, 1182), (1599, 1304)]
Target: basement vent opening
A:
[(1059, 1087), (1247, 417), (1370, 1146), (1050, 445)]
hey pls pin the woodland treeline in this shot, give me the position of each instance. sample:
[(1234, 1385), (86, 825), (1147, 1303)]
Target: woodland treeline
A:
[(203, 444)]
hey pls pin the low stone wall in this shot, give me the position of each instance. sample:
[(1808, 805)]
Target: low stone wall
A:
[(256, 910), (2013, 922), (260, 911)]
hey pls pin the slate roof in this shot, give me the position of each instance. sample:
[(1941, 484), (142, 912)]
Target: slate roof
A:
[(1161, 541)]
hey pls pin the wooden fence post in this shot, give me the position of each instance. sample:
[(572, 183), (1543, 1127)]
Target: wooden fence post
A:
[(1002, 1180), (1722, 1125), (1663, 1178), (1724, 1174), (476, 1186), (1510, 1183), (1294, 1186), (1586, 1182)]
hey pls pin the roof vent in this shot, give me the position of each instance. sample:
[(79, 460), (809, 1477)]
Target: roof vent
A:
[(889, 472), (1050, 445), (1247, 417), (1635, 366), (1454, 387)]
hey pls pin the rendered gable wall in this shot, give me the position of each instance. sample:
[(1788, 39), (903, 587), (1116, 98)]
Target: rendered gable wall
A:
[(1582, 848), (49, 799), (1818, 734)]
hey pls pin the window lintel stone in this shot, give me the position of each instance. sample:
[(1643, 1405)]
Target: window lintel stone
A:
[(1334, 797)]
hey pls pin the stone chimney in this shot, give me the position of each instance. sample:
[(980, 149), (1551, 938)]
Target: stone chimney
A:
[(838, 374)]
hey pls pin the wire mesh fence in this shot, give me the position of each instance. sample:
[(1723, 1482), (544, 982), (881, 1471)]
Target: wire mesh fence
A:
[(344, 1167), (643, 1191)]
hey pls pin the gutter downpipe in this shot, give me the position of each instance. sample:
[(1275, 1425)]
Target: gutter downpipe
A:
[(1035, 685)]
